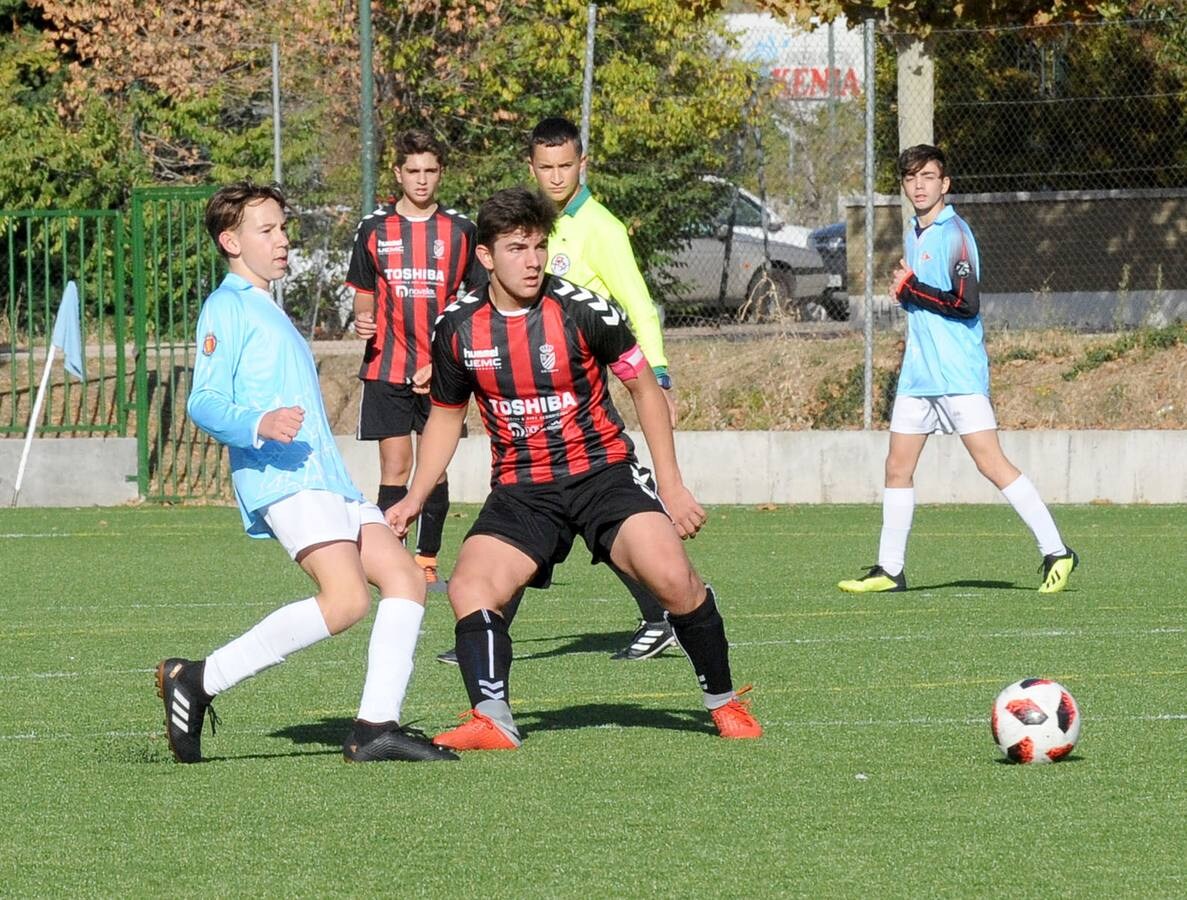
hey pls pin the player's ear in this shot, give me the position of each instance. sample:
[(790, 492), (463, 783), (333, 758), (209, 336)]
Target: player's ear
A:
[(485, 257), (229, 242)]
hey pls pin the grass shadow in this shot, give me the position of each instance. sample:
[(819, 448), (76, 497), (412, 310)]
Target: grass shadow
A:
[(576, 643), (330, 731), (974, 583), (620, 715)]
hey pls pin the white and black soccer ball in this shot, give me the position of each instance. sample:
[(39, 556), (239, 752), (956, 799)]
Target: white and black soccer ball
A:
[(1035, 720)]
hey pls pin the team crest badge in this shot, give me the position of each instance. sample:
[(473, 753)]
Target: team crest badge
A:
[(438, 249), (560, 264), (548, 357), (209, 343)]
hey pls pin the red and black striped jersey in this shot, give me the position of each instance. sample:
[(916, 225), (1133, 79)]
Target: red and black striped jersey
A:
[(539, 379), (415, 269)]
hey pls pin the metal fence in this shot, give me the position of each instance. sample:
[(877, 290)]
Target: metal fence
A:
[(1066, 145), (40, 252), (138, 355)]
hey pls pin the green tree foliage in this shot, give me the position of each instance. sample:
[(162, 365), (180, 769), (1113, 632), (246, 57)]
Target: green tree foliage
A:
[(107, 94), (667, 101)]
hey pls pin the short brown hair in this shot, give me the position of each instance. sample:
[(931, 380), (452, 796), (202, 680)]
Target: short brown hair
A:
[(510, 210), (415, 140), (554, 131), (915, 158), (224, 211)]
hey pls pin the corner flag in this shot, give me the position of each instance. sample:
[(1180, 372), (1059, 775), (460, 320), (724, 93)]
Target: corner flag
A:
[(67, 335)]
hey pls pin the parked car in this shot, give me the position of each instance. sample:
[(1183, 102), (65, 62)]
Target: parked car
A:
[(829, 242), (790, 286)]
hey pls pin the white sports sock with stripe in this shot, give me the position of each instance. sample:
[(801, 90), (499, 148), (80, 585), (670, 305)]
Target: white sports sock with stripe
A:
[(289, 629), (1025, 499), (898, 510), (389, 659)]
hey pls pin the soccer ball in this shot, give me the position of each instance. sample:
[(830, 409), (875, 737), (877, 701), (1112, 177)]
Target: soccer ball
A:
[(1035, 721)]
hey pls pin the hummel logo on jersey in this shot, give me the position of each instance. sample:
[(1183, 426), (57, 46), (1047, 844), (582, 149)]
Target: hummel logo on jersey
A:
[(547, 358), (396, 246), (600, 305), (481, 359), (532, 406)]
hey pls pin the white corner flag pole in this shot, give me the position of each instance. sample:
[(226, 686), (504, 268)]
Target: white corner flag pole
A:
[(34, 418)]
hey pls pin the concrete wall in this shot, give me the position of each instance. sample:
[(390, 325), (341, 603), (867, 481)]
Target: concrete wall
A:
[(70, 471), (846, 466), (1081, 259), (743, 467)]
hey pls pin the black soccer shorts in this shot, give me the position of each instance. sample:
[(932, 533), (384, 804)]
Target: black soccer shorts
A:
[(542, 520), (391, 410)]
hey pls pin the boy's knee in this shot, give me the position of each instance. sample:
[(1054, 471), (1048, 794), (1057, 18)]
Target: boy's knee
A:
[(343, 608)]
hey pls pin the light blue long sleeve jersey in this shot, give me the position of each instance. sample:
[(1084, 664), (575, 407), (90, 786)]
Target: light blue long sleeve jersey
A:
[(251, 360), (945, 341)]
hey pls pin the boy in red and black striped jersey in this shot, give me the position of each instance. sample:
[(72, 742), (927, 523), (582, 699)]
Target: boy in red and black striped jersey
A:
[(534, 350), (409, 261)]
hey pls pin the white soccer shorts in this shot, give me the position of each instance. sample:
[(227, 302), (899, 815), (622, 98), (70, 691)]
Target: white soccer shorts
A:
[(947, 414), (317, 517)]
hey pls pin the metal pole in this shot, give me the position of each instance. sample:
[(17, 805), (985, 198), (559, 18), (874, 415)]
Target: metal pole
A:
[(832, 87), (868, 404), (367, 101), (591, 25), (277, 170), (277, 174)]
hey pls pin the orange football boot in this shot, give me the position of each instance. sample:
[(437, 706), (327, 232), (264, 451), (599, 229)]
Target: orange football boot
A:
[(734, 720), (479, 733)]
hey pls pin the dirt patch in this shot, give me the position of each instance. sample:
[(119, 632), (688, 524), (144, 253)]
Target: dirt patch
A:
[(784, 380)]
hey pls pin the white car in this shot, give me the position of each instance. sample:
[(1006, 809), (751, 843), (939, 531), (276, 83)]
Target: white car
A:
[(785, 281)]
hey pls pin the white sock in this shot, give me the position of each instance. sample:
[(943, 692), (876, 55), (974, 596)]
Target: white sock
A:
[(389, 659), (898, 509), (289, 629), (1025, 499)]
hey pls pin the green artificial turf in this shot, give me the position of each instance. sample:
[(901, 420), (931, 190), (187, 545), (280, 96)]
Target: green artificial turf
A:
[(876, 777)]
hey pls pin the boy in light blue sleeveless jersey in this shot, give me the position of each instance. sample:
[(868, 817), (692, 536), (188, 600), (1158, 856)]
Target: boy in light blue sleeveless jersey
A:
[(944, 382), (255, 389)]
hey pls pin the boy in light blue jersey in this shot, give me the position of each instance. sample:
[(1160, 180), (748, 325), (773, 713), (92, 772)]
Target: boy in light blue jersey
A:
[(255, 389), (944, 382)]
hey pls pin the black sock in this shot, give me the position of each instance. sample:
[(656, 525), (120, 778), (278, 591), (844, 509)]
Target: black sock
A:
[(512, 607), (390, 495), (432, 521), (702, 635), (484, 656)]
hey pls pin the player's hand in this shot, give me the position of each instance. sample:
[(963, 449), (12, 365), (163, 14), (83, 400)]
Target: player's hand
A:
[(401, 516), (900, 274), (420, 379), (281, 424), (364, 325), (687, 515)]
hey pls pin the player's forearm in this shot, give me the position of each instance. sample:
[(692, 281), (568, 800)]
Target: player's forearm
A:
[(226, 422), (435, 449), (963, 302), (363, 303), (656, 426)]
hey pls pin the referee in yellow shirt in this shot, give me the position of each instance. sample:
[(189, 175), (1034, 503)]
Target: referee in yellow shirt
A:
[(590, 247)]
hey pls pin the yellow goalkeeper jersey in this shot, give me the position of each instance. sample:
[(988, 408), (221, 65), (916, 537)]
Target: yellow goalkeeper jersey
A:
[(589, 246)]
